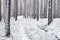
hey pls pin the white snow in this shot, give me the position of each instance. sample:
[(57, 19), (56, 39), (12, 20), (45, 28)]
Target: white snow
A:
[(54, 28), (27, 29), (2, 28)]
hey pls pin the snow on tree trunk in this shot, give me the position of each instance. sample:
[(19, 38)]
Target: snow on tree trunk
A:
[(7, 17), (0, 10), (50, 12)]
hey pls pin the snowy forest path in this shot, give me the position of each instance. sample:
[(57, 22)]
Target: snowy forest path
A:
[(17, 31), (33, 32)]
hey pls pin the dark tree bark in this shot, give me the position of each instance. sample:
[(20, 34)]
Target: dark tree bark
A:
[(50, 19), (7, 14), (0, 10)]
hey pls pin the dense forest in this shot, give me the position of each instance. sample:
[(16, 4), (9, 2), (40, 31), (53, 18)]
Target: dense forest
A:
[(35, 9)]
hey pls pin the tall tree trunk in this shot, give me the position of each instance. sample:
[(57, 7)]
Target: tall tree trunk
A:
[(4, 11), (37, 10), (27, 10), (34, 9), (24, 14), (58, 8), (53, 8), (15, 9), (7, 18), (50, 12), (20, 8), (0, 11), (42, 9), (29, 7), (45, 8)]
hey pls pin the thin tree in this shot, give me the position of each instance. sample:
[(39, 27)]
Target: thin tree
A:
[(24, 1), (4, 11), (58, 8), (20, 8), (34, 8), (0, 11), (24, 14), (37, 10), (45, 8), (15, 9), (50, 19), (55, 8), (41, 10), (27, 9), (30, 7)]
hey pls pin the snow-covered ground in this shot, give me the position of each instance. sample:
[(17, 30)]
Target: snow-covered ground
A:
[(28, 29), (54, 28)]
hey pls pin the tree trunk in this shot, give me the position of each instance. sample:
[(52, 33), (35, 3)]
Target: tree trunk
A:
[(24, 14), (53, 7), (45, 8), (20, 8), (34, 9), (0, 11), (37, 10), (50, 12), (42, 9), (15, 9), (58, 8), (7, 18)]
